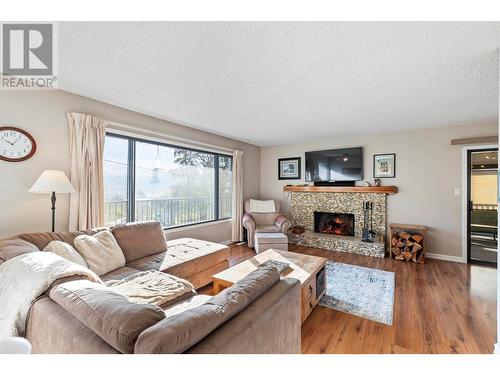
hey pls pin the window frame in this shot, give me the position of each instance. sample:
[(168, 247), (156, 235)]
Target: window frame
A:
[(131, 159)]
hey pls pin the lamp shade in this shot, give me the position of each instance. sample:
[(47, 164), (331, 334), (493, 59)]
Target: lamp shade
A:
[(52, 181)]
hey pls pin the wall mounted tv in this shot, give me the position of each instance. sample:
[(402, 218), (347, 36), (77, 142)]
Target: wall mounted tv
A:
[(344, 164)]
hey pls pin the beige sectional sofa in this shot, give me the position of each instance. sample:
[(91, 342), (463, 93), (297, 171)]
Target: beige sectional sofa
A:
[(145, 248), (259, 314)]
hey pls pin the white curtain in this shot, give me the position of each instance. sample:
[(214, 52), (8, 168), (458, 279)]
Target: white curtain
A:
[(86, 147), (237, 197)]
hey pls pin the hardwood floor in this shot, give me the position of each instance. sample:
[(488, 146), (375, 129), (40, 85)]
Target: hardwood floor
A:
[(439, 307)]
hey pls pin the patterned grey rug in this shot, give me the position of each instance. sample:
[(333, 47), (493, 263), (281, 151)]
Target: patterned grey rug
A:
[(361, 291)]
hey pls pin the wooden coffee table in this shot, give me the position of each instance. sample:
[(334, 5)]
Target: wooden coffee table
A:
[(308, 269)]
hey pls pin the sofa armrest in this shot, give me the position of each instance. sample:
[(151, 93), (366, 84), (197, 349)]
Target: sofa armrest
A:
[(248, 221), (179, 332), (282, 223), (249, 224), (270, 325)]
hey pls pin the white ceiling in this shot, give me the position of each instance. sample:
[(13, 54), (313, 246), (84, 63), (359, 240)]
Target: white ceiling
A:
[(286, 82)]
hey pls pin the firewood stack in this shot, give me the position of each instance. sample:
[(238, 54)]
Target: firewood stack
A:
[(407, 244)]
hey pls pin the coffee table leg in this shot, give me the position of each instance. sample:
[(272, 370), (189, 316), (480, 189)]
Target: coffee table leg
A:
[(216, 287)]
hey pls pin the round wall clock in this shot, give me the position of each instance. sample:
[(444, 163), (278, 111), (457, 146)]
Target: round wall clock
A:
[(16, 144)]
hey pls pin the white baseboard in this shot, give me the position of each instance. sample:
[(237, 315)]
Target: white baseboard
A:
[(448, 258), (497, 348), (227, 242)]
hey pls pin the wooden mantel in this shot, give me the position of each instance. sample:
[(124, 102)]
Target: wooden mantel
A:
[(342, 189)]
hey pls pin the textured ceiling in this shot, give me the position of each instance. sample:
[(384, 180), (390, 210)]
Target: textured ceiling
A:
[(284, 82)]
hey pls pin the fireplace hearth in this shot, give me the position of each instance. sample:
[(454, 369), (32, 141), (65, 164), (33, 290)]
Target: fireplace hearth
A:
[(334, 223)]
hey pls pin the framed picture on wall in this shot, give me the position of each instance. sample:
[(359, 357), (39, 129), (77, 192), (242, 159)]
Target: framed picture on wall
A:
[(384, 166), (289, 169)]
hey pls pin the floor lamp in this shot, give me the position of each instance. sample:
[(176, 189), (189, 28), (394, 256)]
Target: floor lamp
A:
[(52, 182)]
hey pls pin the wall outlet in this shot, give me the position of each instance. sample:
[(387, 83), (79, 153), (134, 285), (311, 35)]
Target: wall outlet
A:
[(458, 191)]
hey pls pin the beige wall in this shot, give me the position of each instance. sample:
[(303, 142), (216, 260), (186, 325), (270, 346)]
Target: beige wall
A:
[(428, 170), (42, 114)]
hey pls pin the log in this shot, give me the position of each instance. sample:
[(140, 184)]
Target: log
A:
[(396, 251), (399, 257), (409, 243), (394, 241), (400, 244), (417, 237), (417, 247), (404, 235), (407, 255), (414, 257)]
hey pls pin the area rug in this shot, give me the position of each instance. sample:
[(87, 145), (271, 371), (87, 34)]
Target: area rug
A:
[(360, 291)]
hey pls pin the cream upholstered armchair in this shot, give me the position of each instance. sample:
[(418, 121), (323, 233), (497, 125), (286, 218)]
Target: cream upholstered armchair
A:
[(255, 221)]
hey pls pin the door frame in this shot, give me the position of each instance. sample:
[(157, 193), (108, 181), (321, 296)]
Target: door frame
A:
[(465, 196)]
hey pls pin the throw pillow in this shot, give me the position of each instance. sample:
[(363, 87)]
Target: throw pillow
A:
[(14, 247), (262, 206), (66, 251), (100, 251)]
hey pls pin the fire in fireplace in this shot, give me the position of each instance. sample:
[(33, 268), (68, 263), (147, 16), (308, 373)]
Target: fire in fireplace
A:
[(334, 223)]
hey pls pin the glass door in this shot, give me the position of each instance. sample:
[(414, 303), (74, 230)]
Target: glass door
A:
[(482, 211)]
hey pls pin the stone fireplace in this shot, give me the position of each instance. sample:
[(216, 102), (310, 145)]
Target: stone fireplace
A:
[(334, 223), (334, 220)]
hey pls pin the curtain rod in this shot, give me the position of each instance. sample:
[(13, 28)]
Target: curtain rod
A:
[(115, 126)]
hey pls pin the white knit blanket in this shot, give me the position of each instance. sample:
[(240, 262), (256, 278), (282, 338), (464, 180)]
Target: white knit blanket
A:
[(262, 206), (153, 287), (23, 279)]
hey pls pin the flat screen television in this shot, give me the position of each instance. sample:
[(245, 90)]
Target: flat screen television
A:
[(343, 164)]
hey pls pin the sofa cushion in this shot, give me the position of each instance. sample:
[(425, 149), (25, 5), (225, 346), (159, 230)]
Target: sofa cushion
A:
[(100, 251), (138, 240), (184, 257), (266, 229), (119, 274), (110, 315), (196, 255), (14, 247), (266, 237), (42, 239), (178, 300), (179, 332), (185, 304), (159, 262), (66, 251)]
